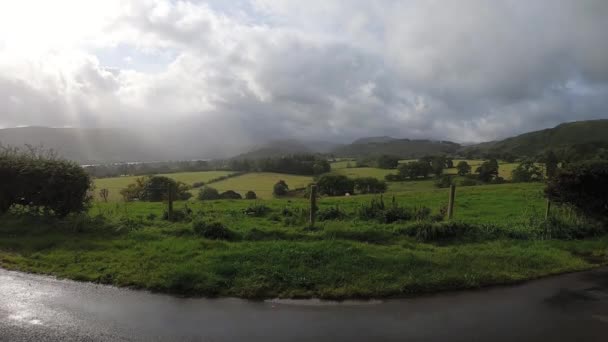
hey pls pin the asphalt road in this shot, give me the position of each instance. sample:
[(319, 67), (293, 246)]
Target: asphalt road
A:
[(570, 307)]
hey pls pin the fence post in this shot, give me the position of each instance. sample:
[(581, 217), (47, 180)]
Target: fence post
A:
[(170, 203), (313, 204), (451, 201), (548, 210)]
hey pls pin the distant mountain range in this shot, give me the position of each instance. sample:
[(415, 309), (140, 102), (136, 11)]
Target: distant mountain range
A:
[(89, 146)]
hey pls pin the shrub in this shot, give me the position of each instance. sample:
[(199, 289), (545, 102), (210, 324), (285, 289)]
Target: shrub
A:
[(428, 231), (208, 194), (280, 188), (41, 182), (332, 213), (584, 186), (250, 195), (230, 195), (335, 185), (197, 185), (256, 210), (213, 230), (178, 215)]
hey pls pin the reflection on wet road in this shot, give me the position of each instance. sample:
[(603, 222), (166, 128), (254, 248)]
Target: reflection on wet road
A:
[(571, 307)]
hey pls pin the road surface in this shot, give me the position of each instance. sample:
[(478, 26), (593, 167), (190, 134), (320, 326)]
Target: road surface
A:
[(570, 307)]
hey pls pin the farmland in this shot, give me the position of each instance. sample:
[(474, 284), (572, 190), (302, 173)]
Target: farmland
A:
[(115, 184), (261, 183)]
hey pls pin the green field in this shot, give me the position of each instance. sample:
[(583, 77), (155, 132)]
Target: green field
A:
[(504, 168), (364, 172), (261, 182), (497, 237), (115, 184)]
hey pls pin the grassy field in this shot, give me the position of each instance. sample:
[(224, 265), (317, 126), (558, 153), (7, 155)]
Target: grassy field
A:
[(364, 172), (262, 183), (115, 184), (496, 238), (504, 168)]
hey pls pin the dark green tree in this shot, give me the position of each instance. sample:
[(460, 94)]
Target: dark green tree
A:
[(335, 185), (280, 188), (463, 168)]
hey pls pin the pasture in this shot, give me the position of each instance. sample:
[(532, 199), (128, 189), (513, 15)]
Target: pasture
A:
[(261, 183), (115, 184)]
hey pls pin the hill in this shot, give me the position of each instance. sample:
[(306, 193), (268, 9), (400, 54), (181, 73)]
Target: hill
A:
[(404, 148), (566, 135), (280, 148)]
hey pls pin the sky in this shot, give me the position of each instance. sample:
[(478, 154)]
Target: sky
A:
[(258, 70)]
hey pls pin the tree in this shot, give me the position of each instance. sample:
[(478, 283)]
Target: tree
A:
[(280, 188), (415, 170), (156, 189), (208, 193), (387, 162), (370, 185), (488, 170), (437, 165), (551, 162), (583, 185), (250, 195), (527, 171), (335, 185), (449, 163), (104, 194), (463, 168)]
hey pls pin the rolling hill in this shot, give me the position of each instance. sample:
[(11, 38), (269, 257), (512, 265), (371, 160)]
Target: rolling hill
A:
[(591, 132), (404, 148)]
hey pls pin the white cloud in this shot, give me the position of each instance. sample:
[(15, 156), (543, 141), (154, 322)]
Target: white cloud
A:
[(466, 70)]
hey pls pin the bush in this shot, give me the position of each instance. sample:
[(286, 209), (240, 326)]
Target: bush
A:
[(197, 185), (213, 230), (370, 185), (335, 185), (230, 195), (439, 231), (178, 215), (584, 186), (333, 213), (41, 182), (257, 210), (280, 188), (208, 194), (377, 210), (250, 195)]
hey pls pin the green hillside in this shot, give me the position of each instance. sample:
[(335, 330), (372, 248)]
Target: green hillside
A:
[(592, 133), (403, 148)]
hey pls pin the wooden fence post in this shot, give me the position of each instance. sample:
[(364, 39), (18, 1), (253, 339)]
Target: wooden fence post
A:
[(451, 201), (313, 204), (548, 210), (170, 203)]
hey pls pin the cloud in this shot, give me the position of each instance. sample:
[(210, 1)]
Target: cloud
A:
[(258, 70)]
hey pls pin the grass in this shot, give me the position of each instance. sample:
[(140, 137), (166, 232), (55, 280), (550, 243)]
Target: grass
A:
[(493, 241), (261, 183), (115, 184)]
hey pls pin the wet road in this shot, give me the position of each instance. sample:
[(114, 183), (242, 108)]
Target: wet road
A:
[(571, 307)]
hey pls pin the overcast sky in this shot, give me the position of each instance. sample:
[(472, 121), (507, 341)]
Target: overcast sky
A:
[(319, 69)]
